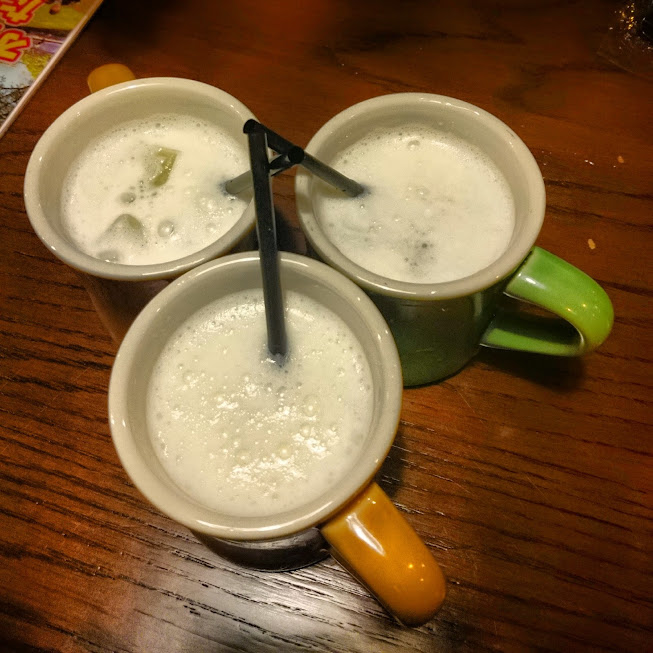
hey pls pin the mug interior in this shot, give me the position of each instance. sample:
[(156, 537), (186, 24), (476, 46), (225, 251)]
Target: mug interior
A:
[(461, 119), (161, 318), (68, 136)]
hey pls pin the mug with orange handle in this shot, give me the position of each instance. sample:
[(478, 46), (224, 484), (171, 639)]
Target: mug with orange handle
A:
[(119, 291), (364, 530)]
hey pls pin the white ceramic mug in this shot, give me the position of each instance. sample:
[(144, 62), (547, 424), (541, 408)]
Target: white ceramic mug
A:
[(364, 529), (119, 291), (439, 327)]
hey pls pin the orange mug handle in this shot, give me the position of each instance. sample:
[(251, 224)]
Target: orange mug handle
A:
[(374, 542), (108, 75)]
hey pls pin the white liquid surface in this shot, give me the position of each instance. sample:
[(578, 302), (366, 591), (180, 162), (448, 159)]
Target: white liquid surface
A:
[(241, 434), (438, 208), (183, 215)]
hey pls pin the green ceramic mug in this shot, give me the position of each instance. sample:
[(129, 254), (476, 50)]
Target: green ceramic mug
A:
[(438, 327)]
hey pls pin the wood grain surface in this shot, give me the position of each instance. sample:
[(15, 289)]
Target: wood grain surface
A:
[(530, 478)]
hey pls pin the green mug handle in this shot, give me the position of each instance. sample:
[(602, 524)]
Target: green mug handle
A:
[(553, 284)]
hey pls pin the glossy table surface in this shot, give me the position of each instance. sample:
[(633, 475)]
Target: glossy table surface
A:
[(530, 478)]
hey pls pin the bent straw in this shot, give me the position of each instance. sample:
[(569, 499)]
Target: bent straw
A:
[(284, 161), (279, 144), (267, 237)]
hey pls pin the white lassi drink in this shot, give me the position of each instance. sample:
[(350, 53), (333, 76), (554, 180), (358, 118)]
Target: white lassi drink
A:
[(437, 209), (150, 191), (240, 433)]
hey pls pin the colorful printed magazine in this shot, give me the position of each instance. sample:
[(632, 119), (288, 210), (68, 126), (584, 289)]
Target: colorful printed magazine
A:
[(34, 34)]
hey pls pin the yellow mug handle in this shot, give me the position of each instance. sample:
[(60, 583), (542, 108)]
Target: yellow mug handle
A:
[(374, 542), (108, 75)]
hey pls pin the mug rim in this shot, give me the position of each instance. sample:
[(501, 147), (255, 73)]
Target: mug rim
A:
[(379, 284), (63, 249), (183, 508)]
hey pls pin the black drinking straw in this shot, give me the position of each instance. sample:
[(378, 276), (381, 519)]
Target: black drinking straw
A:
[(282, 162), (280, 145), (267, 238)]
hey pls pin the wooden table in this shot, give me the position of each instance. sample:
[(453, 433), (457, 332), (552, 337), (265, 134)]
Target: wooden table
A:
[(530, 478)]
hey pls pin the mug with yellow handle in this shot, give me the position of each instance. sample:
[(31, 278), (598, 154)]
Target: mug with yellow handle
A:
[(352, 518), (118, 289)]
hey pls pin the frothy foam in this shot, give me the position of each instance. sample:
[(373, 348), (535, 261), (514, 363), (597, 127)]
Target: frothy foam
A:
[(438, 208), (150, 191), (243, 435)]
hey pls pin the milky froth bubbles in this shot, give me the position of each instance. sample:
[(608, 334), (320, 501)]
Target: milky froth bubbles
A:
[(438, 209), (246, 436), (150, 191)]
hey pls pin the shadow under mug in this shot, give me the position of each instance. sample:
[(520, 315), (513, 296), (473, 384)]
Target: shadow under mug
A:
[(120, 291), (364, 529), (438, 327)]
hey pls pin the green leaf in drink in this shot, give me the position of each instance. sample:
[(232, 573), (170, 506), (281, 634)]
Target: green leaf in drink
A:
[(158, 165)]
